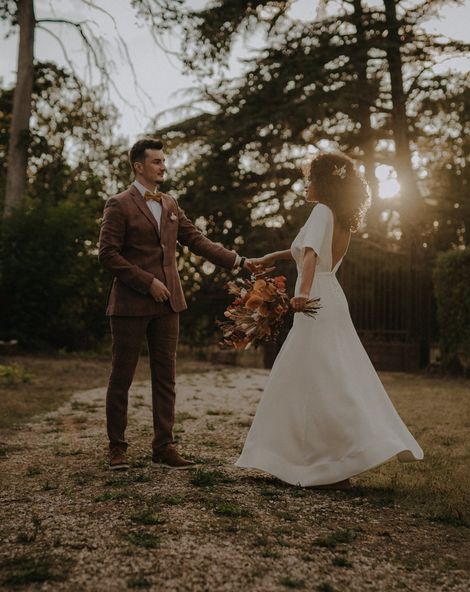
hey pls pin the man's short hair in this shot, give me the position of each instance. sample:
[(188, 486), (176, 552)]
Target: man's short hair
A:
[(137, 152)]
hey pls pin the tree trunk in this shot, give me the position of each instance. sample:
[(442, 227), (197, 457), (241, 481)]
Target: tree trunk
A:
[(19, 128), (409, 190), (367, 139)]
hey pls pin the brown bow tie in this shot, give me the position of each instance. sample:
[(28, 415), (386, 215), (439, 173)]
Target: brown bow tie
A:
[(157, 196)]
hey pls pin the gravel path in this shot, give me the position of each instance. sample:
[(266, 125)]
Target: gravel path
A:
[(68, 523)]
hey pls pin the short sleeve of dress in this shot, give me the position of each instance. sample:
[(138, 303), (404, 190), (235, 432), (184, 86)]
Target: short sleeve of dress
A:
[(315, 228)]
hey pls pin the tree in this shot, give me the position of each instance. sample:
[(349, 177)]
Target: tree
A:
[(442, 119), (18, 149), (352, 79), (48, 245), (22, 15), (310, 85)]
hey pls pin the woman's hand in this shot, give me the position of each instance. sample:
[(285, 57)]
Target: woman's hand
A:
[(298, 302)]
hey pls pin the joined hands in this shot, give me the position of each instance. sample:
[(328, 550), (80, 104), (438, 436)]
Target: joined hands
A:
[(259, 265)]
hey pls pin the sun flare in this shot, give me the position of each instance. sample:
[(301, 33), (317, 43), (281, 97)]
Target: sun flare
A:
[(388, 185)]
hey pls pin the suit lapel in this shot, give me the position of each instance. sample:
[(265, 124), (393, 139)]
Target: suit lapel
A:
[(164, 219), (142, 205)]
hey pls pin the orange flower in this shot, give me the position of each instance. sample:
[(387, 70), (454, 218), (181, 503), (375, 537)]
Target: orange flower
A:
[(259, 284), (267, 291), (254, 302), (280, 281)]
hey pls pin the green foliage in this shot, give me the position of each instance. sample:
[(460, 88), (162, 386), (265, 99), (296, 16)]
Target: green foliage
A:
[(147, 517), (336, 538), (52, 289), (205, 478), (139, 582), (143, 539), (452, 289), (292, 583), (51, 284), (13, 375), (32, 569), (446, 143), (231, 510)]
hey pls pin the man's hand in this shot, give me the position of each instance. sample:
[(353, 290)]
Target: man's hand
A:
[(159, 291), (298, 303)]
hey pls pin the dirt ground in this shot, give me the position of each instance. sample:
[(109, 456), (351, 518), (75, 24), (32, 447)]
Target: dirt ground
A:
[(68, 523)]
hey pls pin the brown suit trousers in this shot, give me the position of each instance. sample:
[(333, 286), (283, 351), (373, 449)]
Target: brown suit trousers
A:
[(135, 250), (128, 333)]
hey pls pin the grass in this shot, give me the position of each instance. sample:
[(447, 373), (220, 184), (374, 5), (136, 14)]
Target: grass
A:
[(127, 479), (32, 569), (231, 510), (341, 561), (138, 583), (218, 412), (207, 478), (175, 500), (113, 496), (286, 516), (53, 379), (25, 538), (13, 375), (292, 583), (49, 486), (147, 518), (336, 538), (81, 479), (270, 493), (437, 412), (269, 554), (325, 587), (241, 515), (143, 539)]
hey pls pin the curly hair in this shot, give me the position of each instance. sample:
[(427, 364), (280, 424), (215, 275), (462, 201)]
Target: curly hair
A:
[(338, 184)]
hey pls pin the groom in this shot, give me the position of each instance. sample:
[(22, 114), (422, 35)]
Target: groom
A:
[(138, 237)]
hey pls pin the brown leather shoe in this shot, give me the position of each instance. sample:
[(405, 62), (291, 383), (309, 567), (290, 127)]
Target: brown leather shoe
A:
[(170, 458), (117, 459)]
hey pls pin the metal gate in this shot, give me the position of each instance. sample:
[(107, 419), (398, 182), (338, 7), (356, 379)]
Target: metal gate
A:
[(391, 303)]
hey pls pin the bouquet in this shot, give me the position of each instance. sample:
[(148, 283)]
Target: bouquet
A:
[(259, 311)]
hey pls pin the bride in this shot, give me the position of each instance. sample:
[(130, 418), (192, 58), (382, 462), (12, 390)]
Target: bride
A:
[(324, 415)]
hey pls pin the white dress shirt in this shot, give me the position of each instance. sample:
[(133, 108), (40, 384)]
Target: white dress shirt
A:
[(154, 206)]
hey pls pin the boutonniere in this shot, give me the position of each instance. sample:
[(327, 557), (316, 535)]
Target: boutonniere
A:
[(173, 216)]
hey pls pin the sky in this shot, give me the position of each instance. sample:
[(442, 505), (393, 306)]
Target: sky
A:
[(161, 83)]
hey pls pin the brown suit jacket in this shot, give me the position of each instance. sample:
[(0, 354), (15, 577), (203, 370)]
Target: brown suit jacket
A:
[(135, 251)]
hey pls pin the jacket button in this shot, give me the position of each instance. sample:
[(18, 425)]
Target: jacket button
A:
[(163, 246)]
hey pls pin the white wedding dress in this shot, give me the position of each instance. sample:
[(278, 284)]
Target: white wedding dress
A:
[(324, 415)]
